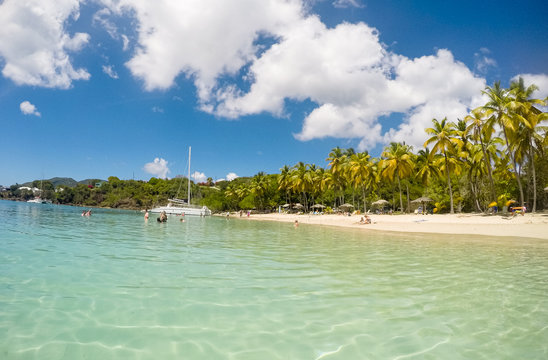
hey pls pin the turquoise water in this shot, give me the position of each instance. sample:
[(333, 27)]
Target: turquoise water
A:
[(114, 287)]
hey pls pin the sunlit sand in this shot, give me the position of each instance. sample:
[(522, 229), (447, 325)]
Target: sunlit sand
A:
[(529, 225)]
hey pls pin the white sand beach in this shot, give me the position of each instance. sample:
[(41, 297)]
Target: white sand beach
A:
[(528, 226)]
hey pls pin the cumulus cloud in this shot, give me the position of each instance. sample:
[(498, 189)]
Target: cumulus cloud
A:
[(345, 70), (231, 176), (158, 168), (540, 80), (157, 109), (35, 45), (199, 177), (109, 70), (28, 109)]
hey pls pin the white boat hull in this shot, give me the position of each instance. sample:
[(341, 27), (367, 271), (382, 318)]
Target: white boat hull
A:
[(180, 210)]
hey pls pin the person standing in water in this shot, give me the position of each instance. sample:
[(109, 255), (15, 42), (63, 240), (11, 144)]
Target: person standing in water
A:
[(146, 215)]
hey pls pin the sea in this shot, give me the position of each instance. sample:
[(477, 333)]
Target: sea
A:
[(113, 286)]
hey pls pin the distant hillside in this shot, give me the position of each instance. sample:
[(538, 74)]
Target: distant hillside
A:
[(56, 181), (90, 181), (64, 181)]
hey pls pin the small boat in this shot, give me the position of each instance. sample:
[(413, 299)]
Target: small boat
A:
[(182, 207), (38, 199)]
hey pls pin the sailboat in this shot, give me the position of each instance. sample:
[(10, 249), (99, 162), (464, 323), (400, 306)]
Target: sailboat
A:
[(182, 207), (38, 199)]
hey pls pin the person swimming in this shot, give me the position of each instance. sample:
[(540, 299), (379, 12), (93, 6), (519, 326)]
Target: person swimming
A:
[(163, 217)]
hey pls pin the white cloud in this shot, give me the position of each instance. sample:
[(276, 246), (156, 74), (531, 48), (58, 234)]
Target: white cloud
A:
[(199, 177), (346, 71), (125, 41), (158, 168), (347, 3), (482, 61), (28, 109), (231, 176), (157, 109), (35, 45), (109, 70), (540, 80)]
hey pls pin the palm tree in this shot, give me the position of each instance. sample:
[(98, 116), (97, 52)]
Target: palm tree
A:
[(258, 187), (528, 119), (337, 160), (443, 136), (426, 167), (284, 181), (478, 130), (497, 108), (397, 162), (359, 168)]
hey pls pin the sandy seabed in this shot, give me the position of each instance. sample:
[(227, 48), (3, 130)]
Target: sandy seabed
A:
[(526, 226)]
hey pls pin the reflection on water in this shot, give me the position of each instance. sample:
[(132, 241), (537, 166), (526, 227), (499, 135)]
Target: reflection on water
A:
[(112, 286)]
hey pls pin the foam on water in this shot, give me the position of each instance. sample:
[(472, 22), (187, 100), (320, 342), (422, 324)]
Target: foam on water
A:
[(114, 287)]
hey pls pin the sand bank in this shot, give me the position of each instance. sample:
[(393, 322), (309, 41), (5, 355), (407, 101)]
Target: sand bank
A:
[(529, 225)]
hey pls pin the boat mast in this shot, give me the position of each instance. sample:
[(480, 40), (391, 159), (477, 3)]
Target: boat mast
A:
[(189, 150)]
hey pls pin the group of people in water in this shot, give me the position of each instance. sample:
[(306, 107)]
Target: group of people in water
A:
[(86, 213), (163, 217)]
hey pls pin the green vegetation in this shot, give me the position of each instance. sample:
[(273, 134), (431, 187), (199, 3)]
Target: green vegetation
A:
[(496, 153)]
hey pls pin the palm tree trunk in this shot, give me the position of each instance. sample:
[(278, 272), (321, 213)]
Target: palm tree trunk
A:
[(488, 165), (514, 166), (364, 202), (401, 201), (452, 211), (532, 162), (408, 204)]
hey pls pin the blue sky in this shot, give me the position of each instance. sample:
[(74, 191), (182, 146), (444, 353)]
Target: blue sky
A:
[(99, 88)]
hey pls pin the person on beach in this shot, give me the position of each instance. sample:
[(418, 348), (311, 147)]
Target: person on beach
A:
[(146, 215)]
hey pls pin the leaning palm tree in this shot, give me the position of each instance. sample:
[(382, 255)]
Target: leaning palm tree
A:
[(445, 142), (498, 110), (397, 162), (528, 119)]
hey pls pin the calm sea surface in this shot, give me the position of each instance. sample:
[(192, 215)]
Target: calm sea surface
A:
[(114, 287)]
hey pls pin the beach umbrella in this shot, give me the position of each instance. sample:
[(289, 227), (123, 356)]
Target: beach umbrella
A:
[(298, 206), (346, 205), (380, 202), (494, 203), (510, 202), (318, 206), (285, 205), (422, 200)]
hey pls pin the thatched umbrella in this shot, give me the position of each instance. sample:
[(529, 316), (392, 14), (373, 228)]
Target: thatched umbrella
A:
[(422, 200), (318, 206), (285, 205), (380, 202), (546, 189), (298, 206)]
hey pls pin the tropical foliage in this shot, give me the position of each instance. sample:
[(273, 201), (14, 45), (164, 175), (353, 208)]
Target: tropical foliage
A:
[(496, 153)]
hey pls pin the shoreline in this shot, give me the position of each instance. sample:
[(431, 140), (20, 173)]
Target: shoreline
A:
[(527, 226)]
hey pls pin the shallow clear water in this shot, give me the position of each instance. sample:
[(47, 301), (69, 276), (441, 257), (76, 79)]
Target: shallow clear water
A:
[(114, 287)]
